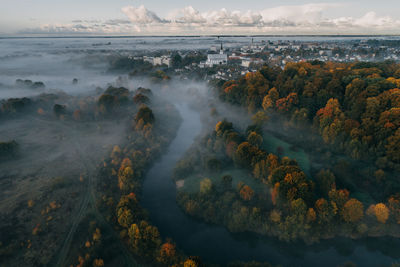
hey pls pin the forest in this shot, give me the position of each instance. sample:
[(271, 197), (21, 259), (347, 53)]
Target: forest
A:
[(347, 116)]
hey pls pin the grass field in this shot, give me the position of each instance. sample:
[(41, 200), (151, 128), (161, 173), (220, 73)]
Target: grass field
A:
[(272, 143)]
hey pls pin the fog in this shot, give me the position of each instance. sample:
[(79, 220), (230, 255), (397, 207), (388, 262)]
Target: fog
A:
[(57, 156)]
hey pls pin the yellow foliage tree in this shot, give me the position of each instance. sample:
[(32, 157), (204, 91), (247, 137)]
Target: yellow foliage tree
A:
[(190, 263), (381, 212)]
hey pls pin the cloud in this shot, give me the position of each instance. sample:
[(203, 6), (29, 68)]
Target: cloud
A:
[(187, 15), (299, 19), (294, 19), (224, 17), (141, 15), (109, 27)]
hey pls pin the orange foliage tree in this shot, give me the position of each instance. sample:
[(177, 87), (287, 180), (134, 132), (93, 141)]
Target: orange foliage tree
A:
[(353, 210), (246, 193)]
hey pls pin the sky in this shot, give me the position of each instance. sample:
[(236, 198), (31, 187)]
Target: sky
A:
[(186, 17)]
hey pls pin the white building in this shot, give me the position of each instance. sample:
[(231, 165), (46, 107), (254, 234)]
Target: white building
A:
[(247, 62), (163, 60), (216, 59)]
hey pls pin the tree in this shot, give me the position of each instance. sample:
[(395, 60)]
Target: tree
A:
[(190, 263), (107, 103), (205, 186), (59, 110), (340, 197), (393, 146), (381, 212), (394, 207), (98, 263), (311, 215), (353, 211), (246, 193), (125, 217), (323, 209), (125, 179), (145, 239), (267, 103), (260, 170), (222, 126), (275, 216), (246, 155), (141, 99), (167, 253), (298, 207), (176, 60), (255, 139), (146, 114)]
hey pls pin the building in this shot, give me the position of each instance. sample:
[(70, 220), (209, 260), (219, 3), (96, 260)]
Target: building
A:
[(325, 53), (158, 61), (216, 59), (247, 62)]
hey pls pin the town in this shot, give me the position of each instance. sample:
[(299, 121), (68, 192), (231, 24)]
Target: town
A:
[(229, 61)]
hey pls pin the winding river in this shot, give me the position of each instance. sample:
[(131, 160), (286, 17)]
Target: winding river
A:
[(215, 244)]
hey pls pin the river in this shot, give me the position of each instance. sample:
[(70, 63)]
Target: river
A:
[(215, 244)]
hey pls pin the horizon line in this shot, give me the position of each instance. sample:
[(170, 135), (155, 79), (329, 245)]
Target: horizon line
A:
[(194, 36)]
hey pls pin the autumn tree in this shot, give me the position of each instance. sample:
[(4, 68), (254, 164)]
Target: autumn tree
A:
[(246, 193), (167, 253), (125, 217), (381, 212), (98, 263), (323, 210), (125, 179), (190, 263), (145, 114), (255, 139), (353, 210)]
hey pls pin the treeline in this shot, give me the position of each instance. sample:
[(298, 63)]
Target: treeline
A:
[(294, 206), (104, 104)]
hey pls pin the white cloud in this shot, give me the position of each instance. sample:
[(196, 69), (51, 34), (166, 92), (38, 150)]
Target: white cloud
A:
[(187, 15), (300, 19), (141, 15), (224, 17), (310, 13)]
